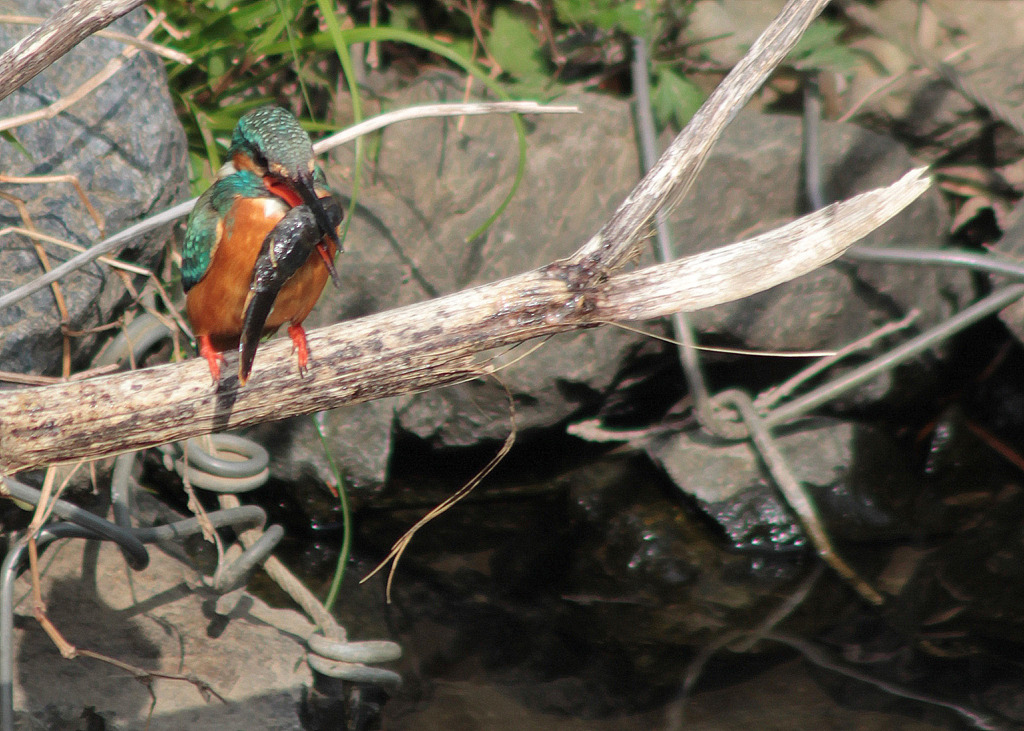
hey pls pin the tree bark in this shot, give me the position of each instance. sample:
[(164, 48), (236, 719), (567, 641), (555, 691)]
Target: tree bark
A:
[(434, 343), (415, 347)]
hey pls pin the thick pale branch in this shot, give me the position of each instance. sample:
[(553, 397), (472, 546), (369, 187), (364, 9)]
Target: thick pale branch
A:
[(434, 343), (754, 265), (678, 166), (415, 347)]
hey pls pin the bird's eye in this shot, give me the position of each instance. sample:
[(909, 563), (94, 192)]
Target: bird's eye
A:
[(259, 158)]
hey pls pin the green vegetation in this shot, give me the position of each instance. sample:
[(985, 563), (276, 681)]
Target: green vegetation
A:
[(299, 52)]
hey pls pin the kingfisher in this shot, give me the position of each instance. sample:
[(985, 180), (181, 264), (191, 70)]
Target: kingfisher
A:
[(260, 242)]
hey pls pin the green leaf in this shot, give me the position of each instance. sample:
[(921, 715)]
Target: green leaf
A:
[(674, 97), (820, 48), (514, 46), (403, 16), (615, 15), (9, 137)]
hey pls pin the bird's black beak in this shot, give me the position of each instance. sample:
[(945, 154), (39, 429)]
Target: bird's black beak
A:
[(307, 192)]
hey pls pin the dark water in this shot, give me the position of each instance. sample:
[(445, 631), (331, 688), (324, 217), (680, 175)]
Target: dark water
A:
[(604, 599)]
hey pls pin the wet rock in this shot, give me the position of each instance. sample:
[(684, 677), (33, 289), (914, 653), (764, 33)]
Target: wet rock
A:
[(855, 475), (127, 150), (752, 183), (964, 596)]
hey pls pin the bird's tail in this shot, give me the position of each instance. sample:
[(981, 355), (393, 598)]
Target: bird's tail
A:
[(257, 311)]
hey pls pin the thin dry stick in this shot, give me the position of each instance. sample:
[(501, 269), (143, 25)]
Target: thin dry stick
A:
[(980, 719), (175, 212), (28, 379), (40, 236), (678, 166), (465, 109), (196, 507), (155, 48), (39, 518), (48, 497), (749, 639), (372, 49), (122, 267), (772, 396), (719, 349), (290, 583), (113, 66), (395, 554), (62, 309), (415, 347), (796, 497), (72, 179), (69, 652), (64, 30)]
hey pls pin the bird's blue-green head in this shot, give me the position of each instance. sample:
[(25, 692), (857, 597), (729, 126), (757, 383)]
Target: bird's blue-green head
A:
[(271, 142)]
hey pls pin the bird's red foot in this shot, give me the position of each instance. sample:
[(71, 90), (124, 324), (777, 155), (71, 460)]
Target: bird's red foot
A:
[(213, 356), (298, 336)]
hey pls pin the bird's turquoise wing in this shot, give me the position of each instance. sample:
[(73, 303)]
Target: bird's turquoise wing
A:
[(204, 228)]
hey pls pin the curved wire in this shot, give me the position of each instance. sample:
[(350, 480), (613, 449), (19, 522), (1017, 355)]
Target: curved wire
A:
[(218, 474), (134, 340), (94, 528), (135, 552), (9, 571)]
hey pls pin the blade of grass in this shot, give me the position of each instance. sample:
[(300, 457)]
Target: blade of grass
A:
[(398, 35), (341, 47), (346, 522), (358, 35), (293, 48)]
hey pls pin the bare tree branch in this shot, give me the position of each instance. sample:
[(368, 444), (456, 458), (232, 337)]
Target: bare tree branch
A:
[(415, 347), (128, 40), (434, 343), (677, 168)]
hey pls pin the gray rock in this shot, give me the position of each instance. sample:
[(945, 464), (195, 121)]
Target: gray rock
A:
[(127, 150), (856, 477), (433, 183), (160, 620), (752, 183), (358, 436)]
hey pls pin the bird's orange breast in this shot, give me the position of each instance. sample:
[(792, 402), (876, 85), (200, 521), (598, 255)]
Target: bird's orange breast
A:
[(216, 304)]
